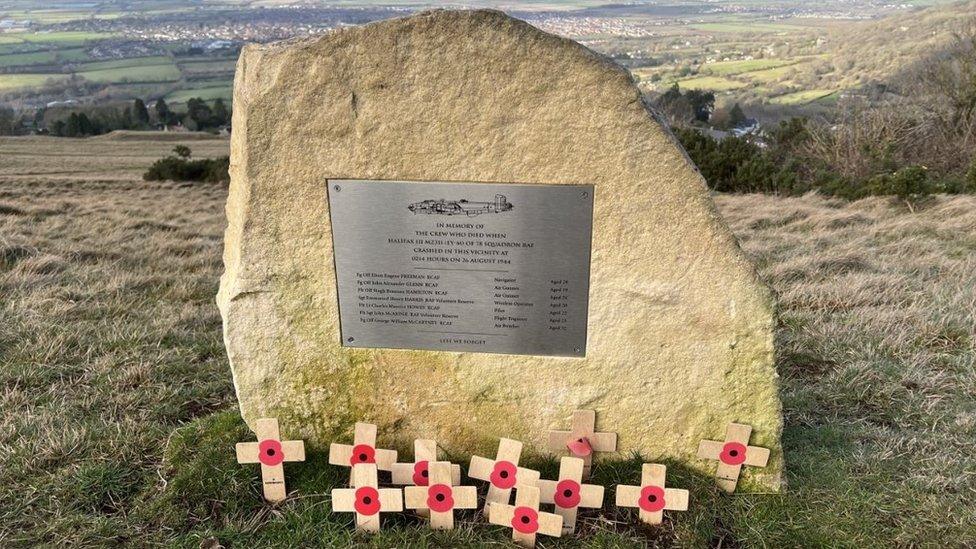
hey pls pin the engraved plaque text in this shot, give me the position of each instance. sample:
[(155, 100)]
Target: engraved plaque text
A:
[(482, 267)]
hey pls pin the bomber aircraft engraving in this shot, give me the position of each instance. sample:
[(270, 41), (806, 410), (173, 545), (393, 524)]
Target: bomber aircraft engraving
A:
[(461, 207)]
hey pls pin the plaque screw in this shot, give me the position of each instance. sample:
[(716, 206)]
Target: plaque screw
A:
[(350, 339), (578, 350), (584, 194), (336, 188)]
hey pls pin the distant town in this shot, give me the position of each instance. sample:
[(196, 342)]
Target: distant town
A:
[(772, 58)]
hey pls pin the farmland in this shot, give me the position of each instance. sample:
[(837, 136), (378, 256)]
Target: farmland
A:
[(714, 83), (787, 54), (39, 61), (33, 80), (221, 91), (150, 73)]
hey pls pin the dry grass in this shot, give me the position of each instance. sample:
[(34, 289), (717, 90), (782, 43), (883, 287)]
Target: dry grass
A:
[(878, 314), (120, 156), (111, 341)]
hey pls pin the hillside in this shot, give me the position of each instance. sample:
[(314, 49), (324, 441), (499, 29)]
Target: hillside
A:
[(118, 417), (874, 52), (113, 157), (803, 60)]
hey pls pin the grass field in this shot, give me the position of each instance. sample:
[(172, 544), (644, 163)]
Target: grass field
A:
[(197, 66), (19, 81), (38, 61), (733, 26), (731, 68), (210, 93), (53, 15), (800, 97), (771, 75), (117, 413), (64, 39), (713, 83), (119, 156), (150, 73), (126, 63), (43, 57)]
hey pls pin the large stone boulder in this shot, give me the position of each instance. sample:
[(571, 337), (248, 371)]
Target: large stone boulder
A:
[(680, 333)]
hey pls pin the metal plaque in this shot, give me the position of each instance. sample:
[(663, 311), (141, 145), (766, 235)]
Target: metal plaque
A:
[(483, 267)]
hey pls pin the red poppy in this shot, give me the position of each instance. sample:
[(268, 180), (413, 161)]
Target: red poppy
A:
[(651, 499), (440, 498), (503, 475), (420, 474), (526, 520), (269, 452), (733, 453), (567, 494), (367, 501), (580, 447), (362, 453)]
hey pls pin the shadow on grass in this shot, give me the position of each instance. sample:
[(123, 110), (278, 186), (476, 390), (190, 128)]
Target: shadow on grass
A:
[(208, 496)]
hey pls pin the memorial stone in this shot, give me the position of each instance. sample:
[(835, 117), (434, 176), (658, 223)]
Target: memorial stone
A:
[(457, 226)]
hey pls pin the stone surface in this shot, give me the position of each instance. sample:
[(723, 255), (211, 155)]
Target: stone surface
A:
[(680, 329)]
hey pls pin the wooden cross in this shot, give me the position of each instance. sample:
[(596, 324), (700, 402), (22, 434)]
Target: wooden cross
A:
[(651, 496), (582, 439), (270, 451), (524, 517), (415, 474), (502, 472), (568, 494), (363, 450), (365, 499), (424, 452), (441, 496), (732, 455)]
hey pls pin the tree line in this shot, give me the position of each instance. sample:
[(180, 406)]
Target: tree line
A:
[(197, 115)]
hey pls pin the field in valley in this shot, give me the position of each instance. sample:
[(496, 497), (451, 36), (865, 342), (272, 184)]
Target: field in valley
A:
[(793, 61), (751, 52), (35, 60), (117, 416)]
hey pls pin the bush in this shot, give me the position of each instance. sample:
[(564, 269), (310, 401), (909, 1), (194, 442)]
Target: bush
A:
[(738, 164), (744, 165), (182, 168), (908, 183)]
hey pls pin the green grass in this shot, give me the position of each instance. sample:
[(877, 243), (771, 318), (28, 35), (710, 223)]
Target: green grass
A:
[(744, 26), (214, 63), (126, 63), (45, 57), (208, 67), (731, 68), (197, 475), (209, 94), (770, 76), (154, 73), (800, 97), (19, 47), (713, 83), (63, 39), (21, 81), (50, 16), (830, 99), (118, 420)]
